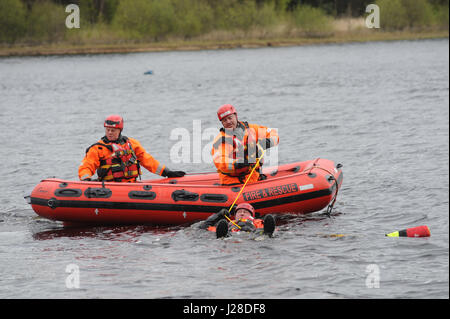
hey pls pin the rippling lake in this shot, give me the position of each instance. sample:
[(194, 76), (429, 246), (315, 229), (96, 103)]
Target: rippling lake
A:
[(380, 109)]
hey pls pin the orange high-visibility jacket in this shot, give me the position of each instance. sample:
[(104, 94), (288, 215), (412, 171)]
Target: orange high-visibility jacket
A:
[(231, 150), (97, 153)]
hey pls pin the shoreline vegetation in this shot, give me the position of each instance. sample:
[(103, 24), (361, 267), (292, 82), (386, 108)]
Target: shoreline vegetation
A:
[(192, 45), (37, 27)]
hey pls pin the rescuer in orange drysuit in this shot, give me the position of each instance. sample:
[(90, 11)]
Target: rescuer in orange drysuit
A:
[(117, 158), (237, 147)]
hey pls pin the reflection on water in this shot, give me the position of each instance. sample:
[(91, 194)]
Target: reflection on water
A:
[(114, 233)]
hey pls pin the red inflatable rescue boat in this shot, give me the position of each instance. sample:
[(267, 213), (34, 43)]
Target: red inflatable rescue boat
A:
[(297, 188)]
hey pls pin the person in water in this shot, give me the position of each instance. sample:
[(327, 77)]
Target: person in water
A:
[(244, 220), (117, 158), (238, 146)]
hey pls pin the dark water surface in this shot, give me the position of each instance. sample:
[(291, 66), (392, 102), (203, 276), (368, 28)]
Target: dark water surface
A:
[(380, 109)]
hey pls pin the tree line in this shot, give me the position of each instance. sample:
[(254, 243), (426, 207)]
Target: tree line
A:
[(42, 21)]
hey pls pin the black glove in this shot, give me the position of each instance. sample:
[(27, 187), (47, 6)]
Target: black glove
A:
[(87, 179), (240, 165), (224, 212), (264, 143), (168, 173), (214, 219), (246, 226)]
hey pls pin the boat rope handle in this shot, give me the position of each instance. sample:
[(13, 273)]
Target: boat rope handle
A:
[(330, 206)]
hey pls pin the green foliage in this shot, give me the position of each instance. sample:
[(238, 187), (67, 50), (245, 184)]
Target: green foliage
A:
[(88, 12), (157, 19), (242, 15), (412, 14), (419, 13), (97, 11), (12, 20), (193, 17), (392, 15), (441, 15), (109, 10), (107, 21), (268, 14), (46, 22), (279, 5), (312, 21), (354, 8), (152, 19)]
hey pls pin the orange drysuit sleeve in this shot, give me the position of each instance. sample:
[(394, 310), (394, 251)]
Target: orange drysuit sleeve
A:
[(146, 159), (265, 136), (91, 161)]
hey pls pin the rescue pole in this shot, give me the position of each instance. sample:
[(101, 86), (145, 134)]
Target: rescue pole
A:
[(240, 192)]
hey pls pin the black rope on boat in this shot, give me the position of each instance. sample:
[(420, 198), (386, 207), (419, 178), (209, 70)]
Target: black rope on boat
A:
[(331, 178), (331, 205)]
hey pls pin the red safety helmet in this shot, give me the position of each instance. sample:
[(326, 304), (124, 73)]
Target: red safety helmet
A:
[(247, 207), (115, 121), (225, 110)]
